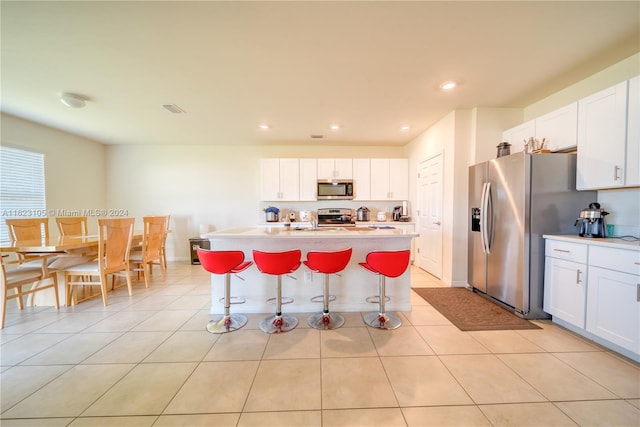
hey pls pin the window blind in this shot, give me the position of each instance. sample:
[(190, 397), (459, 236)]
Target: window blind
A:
[(22, 191)]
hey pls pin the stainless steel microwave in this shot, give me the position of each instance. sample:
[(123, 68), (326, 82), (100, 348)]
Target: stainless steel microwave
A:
[(334, 189)]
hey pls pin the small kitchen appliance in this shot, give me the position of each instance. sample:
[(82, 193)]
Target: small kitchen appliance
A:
[(362, 214), (272, 214), (592, 221), (401, 213), (334, 189), (504, 149), (305, 216), (397, 213), (335, 217)]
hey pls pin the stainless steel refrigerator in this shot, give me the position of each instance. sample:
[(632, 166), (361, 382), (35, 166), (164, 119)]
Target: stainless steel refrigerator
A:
[(513, 201)]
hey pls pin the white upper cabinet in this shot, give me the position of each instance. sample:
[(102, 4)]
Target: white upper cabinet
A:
[(559, 128), (335, 169), (279, 179), (517, 136), (362, 179), (308, 179), (632, 174), (602, 125), (389, 179)]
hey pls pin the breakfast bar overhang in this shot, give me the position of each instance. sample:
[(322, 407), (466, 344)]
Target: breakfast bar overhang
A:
[(351, 287)]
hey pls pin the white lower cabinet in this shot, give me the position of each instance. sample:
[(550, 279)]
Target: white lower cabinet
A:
[(594, 290), (613, 310), (566, 298)]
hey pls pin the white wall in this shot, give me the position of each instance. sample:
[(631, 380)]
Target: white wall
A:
[(74, 166), (216, 186)]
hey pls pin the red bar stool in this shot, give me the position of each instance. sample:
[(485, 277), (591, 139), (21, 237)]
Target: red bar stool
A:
[(277, 264), (385, 264), (225, 262), (327, 263)]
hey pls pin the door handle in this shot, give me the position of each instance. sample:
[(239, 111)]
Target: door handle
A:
[(437, 223), (578, 278), (562, 250)]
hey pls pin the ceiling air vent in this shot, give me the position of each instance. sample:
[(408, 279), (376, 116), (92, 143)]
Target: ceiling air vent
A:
[(173, 108), (316, 136)]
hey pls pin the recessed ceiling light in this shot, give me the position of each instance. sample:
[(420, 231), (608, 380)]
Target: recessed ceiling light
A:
[(264, 126), (73, 100), (405, 128), (448, 85), (334, 126)]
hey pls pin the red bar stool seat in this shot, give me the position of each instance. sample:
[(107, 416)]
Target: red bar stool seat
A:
[(225, 262), (327, 263), (277, 264), (385, 264)]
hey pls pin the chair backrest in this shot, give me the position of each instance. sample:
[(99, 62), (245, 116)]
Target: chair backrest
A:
[(154, 233), (220, 262), (72, 225), (114, 243), (28, 228), (389, 263), (277, 262), (329, 262)]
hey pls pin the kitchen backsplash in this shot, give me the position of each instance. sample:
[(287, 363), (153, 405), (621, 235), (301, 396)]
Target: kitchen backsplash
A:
[(623, 206), (373, 206)]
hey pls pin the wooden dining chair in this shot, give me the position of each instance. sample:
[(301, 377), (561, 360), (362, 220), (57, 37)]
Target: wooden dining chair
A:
[(114, 244), (153, 235), (28, 229), (72, 225), (14, 276)]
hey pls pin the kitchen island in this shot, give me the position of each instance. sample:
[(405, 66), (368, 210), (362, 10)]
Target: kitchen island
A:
[(351, 287)]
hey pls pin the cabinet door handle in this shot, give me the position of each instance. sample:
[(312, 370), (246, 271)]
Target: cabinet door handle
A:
[(562, 250), (578, 278), (616, 175), (637, 263), (638, 293)]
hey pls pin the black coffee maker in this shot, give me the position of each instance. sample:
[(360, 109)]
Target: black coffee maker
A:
[(592, 221)]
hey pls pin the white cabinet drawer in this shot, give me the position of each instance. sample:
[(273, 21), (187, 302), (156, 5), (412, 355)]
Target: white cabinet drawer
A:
[(576, 252), (626, 261)]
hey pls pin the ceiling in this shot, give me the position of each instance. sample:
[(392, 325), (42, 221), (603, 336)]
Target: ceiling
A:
[(298, 66)]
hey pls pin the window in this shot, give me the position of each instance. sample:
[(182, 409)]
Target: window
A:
[(21, 186)]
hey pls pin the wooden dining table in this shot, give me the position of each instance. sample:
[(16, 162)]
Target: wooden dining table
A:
[(56, 244), (53, 245)]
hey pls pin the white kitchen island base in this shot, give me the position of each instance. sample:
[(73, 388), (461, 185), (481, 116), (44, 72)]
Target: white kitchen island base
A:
[(351, 287)]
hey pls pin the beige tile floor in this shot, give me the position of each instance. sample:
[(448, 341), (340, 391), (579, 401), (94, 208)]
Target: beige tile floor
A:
[(147, 360)]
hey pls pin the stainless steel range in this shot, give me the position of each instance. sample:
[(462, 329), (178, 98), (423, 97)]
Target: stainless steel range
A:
[(335, 217)]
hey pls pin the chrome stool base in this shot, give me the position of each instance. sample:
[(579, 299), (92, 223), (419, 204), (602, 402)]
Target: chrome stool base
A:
[(325, 320), (382, 321), (227, 324), (276, 324)]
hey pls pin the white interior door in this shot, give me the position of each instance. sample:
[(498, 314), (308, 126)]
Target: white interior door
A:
[(429, 256)]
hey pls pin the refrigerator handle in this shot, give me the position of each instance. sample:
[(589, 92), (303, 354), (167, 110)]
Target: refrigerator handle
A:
[(483, 217), (490, 219)]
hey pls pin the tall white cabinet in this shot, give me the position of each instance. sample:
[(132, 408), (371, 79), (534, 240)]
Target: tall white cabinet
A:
[(602, 124)]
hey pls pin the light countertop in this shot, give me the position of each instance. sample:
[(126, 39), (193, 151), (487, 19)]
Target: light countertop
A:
[(611, 242), (378, 231)]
